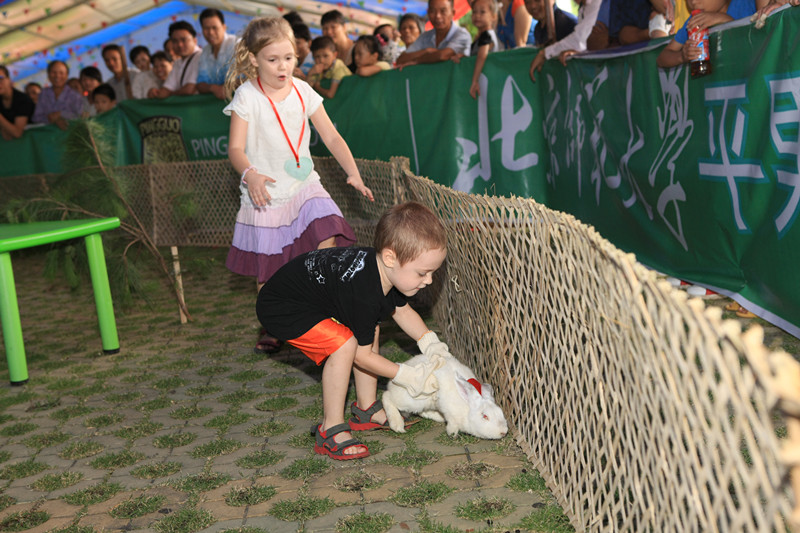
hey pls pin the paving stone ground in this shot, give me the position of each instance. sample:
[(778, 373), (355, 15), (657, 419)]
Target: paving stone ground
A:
[(187, 420), (187, 430)]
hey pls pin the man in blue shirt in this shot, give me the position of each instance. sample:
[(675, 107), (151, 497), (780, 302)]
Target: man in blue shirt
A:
[(443, 42), (216, 54)]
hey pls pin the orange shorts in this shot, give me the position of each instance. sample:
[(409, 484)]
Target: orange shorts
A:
[(322, 340)]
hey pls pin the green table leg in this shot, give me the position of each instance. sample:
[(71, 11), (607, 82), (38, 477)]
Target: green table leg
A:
[(102, 293), (12, 328)]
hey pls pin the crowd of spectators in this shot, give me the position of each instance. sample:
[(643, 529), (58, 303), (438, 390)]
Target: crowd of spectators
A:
[(183, 68)]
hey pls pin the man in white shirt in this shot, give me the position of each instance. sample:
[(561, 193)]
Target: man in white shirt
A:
[(216, 54), (573, 43), (183, 78), (443, 42)]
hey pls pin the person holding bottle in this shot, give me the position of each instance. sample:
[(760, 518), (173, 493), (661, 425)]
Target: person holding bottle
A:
[(705, 14)]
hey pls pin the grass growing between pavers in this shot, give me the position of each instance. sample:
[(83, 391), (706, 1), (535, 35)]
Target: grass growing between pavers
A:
[(247, 375), (137, 506), (279, 403), (95, 494), (22, 470), (413, 457), (143, 428), (174, 440), (111, 461), (6, 501), (51, 482), (304, 507), (306, 468), (358, 481), (421, 493), (186, 520), (472, 471), (547, 518), (24, 520), (216, 448), (239, 496), (526, 481), (483, 508), (15, 430), (45, 440), (80, 450), (365, 523), (103, 421), (202, 482)]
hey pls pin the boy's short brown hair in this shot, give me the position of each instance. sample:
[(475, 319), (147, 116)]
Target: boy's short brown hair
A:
[(408, 230)]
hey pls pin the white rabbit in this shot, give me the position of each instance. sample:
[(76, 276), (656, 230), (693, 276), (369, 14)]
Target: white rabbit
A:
[(458, 402)]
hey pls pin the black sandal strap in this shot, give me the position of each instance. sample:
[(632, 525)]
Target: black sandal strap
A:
[(333, 430), (369, 412), (342, 446), (332, 444)]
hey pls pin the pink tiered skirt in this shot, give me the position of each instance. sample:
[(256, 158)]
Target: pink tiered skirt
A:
[(264, 239)]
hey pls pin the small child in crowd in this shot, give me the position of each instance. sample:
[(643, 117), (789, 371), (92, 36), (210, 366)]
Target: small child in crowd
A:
[(327, 66), (305, 60), (284, 211), (387, 40), (104, 98), (90, 78), (367, 55), (564, 22), (75, 84), (712, 12), (140, 58), (484, 18), (330, 303)]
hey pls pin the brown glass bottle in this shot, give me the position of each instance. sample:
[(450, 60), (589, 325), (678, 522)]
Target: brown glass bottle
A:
[(702, 65)]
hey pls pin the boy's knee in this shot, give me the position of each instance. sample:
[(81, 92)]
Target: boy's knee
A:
[(346, 352)]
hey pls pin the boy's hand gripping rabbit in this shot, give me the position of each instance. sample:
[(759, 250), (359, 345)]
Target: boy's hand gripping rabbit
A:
[(419, 380), (429, 344)]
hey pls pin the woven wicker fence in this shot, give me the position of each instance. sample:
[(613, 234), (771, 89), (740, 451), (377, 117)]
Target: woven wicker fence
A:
[(642, 410)]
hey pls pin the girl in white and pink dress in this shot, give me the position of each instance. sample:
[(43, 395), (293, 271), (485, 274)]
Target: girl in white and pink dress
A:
[(284, 209)]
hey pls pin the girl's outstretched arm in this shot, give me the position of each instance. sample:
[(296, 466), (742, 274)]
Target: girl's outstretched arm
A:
[(338, 147)]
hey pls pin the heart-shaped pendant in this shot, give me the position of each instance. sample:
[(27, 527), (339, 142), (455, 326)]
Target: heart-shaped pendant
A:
[(300, 173)]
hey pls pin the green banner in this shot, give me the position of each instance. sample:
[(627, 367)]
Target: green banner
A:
[(699, 177)]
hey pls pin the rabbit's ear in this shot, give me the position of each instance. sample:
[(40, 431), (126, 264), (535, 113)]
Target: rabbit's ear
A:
[(487, 391), (466, 390)]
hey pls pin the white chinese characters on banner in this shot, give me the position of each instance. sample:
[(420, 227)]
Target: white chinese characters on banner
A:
[(513, 122)]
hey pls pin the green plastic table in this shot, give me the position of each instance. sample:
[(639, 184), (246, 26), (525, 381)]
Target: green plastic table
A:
[(19, 236)]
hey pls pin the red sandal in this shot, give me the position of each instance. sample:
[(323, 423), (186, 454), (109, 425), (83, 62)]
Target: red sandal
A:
[(325, 444)]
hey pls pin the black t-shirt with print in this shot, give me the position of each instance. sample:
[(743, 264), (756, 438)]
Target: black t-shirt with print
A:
[(340, 283)]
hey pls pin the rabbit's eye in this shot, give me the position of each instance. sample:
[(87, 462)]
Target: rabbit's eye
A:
[(486, 417)]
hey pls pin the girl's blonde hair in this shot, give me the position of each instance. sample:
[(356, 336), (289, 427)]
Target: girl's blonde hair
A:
[(259, 33)]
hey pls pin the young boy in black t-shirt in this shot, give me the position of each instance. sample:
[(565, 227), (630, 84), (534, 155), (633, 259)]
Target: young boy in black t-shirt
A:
[(329, 303)]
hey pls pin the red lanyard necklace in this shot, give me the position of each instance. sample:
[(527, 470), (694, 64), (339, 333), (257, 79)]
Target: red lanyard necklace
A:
[(296, 153)]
